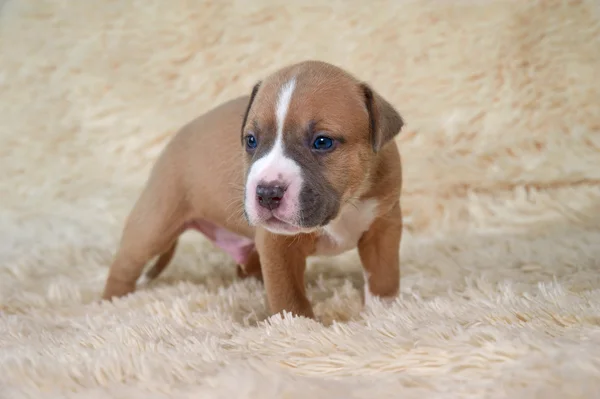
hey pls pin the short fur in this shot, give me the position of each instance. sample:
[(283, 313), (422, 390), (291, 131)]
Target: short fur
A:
[(199, 181)]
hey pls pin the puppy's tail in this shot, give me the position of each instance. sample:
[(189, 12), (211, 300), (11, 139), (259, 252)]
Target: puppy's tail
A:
[(161, 263)]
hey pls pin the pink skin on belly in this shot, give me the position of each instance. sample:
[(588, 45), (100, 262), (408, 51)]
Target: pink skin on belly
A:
[(237, 246)]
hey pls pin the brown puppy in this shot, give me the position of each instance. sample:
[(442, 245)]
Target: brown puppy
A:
[(306, 165)]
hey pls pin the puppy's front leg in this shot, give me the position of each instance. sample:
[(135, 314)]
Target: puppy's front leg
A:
[(379, 251), (283, 261)]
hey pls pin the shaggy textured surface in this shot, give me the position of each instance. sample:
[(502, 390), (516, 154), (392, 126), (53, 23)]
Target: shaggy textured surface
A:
[(500, 280)]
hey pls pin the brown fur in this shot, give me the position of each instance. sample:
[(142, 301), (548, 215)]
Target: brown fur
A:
[(189, 182)]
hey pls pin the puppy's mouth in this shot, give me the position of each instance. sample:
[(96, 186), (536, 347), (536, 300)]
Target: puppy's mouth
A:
[(291, 214)]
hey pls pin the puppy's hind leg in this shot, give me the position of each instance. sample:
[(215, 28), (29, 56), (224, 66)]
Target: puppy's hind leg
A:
[(251, 268), (159, 265), (151, 229)]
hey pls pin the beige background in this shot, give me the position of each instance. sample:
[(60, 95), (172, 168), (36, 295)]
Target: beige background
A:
[(501, 156)]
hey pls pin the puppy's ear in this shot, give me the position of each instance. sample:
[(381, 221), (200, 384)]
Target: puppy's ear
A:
[(250, 101), (384, 121)]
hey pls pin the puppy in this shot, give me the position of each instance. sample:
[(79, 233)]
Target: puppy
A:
[(306, 165)]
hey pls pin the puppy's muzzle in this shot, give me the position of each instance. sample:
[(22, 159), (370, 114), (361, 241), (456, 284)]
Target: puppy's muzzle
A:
[(270, 195)]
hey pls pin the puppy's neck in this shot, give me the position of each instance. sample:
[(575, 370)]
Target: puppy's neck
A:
[(343, 232)]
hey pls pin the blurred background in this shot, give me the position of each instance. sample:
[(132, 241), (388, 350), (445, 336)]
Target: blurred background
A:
[(501, 98)]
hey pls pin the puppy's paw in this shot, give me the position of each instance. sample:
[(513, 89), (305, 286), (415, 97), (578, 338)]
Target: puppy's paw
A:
[(116, 289), (243, 273), (371, 301)]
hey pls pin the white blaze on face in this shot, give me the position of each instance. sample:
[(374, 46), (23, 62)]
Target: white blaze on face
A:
[(275, 166)]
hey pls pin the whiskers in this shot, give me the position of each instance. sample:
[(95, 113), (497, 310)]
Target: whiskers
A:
[(240, 188), (294, 240), (235, 206), (352, 201)]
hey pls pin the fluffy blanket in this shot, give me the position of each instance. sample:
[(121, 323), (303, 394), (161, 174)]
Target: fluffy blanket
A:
[(501, 153)]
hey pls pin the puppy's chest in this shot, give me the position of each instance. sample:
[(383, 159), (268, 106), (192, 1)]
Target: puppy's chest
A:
[(343, 233)]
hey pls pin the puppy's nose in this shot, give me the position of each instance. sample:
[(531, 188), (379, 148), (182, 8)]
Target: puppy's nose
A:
[(269, 195)]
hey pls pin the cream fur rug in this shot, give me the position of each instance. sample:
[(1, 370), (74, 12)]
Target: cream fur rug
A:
[(501, 255)]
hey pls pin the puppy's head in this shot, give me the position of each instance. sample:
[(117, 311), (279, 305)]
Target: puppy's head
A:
[(310, 134)]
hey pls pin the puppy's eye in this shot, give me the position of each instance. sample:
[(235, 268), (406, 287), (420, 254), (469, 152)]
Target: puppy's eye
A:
[(323, 143), (251, 142)]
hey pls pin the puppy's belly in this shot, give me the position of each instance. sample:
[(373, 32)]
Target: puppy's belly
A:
[(237, 246)]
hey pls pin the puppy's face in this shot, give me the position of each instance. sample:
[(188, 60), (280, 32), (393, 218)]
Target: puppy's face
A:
[(309, 136)]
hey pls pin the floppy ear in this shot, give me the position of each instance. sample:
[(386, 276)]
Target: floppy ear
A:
[(250, 101), (384, 121)]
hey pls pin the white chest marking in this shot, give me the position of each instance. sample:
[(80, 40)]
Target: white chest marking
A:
[(342, 233)]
